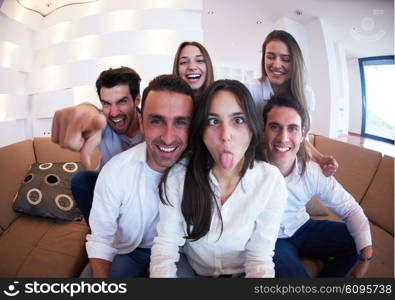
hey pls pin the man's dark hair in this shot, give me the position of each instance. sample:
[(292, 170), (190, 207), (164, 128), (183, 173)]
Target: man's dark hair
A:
[(171, 83), (123, 75), (291, 102)]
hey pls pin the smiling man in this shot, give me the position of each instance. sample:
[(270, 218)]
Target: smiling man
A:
[(83, 127), (119, 93), (349, 244), (125, 208)]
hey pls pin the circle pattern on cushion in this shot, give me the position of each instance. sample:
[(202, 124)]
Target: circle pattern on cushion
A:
[(45, 166), (34, 196), (64, 202), (46, 191), (28, 178), (52, 179), (70, 167)]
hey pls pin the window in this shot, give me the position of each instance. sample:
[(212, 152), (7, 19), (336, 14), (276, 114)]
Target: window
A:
[(378, 97)]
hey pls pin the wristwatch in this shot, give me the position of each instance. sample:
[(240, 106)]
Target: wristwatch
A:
[(365, 259)]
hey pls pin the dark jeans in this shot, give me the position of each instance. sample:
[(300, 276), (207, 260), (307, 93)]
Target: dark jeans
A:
[(326, 240), (82, 187), (136, 264)]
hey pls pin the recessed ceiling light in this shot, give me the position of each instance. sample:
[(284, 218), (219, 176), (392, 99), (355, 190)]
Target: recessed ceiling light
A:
[(298, 12), (259, 22), (210, 12)]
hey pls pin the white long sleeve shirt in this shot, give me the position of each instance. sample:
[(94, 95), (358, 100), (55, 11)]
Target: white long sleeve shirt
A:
[(331, 194), (251, 218), (125, 209), (261, 92)]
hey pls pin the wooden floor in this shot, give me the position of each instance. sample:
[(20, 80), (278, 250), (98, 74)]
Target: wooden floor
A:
[(355, 139)]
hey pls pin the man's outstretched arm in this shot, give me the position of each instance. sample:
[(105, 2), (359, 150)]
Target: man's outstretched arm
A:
[(79, 128)]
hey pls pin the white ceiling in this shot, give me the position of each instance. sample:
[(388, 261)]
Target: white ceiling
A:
[(45, 7), (364, 27)]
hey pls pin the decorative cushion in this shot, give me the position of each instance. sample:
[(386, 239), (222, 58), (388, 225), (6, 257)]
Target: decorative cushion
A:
[(45, 191)]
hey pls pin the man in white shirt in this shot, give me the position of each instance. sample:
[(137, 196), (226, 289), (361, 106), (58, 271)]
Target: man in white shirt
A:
[(125, 212), (347, 247)]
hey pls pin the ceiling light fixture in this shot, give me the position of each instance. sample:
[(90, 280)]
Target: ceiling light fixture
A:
[(259, 22), (210, 12), (45, 7), (298, 12)]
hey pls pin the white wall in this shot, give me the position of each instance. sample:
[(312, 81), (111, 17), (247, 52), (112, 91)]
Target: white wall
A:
[(354, 81), (298, 31), (15, 64), (72, 45), (341, 98), (311, 38), (328, 73)]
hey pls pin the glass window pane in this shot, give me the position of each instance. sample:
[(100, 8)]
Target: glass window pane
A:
[(380, 100)]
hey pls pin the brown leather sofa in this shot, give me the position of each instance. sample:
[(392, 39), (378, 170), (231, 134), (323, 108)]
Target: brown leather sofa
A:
[(39, 247), (369, 177), (35, 246)]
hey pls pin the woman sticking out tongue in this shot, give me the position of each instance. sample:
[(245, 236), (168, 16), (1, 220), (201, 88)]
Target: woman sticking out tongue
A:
[(226, 160)]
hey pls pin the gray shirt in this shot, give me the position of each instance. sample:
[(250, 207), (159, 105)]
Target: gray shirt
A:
[(112, 143)]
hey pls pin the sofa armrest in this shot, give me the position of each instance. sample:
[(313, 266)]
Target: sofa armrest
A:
[(378, 203)]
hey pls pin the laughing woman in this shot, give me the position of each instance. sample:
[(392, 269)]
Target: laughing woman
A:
[(193, 64), (222, 204)]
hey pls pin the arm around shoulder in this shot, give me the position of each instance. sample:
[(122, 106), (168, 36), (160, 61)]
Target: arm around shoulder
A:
[(327, 163)]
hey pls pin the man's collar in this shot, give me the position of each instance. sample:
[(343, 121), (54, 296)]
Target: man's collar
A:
[(295, 169)]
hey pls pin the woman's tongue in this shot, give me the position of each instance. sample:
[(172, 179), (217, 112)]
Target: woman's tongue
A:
[(226, 159)]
